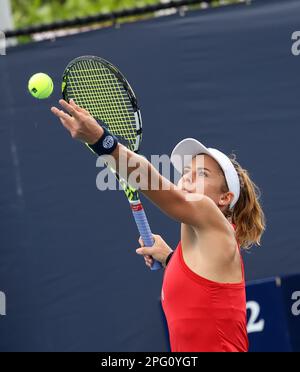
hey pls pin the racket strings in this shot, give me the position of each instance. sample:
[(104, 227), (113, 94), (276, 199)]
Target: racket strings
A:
[(95, 88), (110, 97)]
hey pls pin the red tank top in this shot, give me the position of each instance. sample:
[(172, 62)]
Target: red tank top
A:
[(203, 315)]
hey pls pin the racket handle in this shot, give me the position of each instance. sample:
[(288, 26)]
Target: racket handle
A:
[(144, 229)]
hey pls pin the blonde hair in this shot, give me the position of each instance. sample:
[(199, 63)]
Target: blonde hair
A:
[(247, 214)]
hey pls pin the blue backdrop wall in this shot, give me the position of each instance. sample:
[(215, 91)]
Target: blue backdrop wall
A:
[(68, 265)]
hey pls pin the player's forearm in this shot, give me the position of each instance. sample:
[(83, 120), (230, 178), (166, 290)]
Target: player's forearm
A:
[(137, 170), (141, 174)]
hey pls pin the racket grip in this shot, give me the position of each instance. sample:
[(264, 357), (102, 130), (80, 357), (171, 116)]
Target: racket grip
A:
[(144, 229)]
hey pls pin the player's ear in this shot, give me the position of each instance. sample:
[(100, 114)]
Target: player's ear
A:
[(226, 198)]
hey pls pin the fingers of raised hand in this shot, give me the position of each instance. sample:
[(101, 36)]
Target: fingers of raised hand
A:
[(71, 109), (66, 119), (78, 108)]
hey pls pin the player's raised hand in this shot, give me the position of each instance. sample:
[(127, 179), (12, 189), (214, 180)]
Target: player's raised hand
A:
[(78, 122)]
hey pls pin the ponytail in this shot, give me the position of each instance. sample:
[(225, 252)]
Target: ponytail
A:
[(247, 213)]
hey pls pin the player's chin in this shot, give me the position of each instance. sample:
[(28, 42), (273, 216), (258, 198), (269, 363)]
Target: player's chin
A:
[(191, 190), (194, 196)]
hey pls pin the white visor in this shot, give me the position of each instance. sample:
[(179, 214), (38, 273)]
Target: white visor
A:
[(189, 147)]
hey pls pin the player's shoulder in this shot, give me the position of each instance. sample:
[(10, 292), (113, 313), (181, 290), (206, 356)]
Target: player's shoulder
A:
[(213, 217)]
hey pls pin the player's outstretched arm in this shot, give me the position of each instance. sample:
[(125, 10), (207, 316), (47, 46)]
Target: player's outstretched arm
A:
[(171, 200)]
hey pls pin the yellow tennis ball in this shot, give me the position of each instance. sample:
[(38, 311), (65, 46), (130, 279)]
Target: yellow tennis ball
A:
[(40, 86)]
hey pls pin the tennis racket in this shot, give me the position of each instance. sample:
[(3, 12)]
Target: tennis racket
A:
[(99, 87)]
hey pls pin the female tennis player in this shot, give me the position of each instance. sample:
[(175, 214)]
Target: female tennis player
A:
[(203, 292)]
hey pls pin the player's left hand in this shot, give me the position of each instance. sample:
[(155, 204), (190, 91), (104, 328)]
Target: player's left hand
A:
[(80, 124), (159, 251)]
